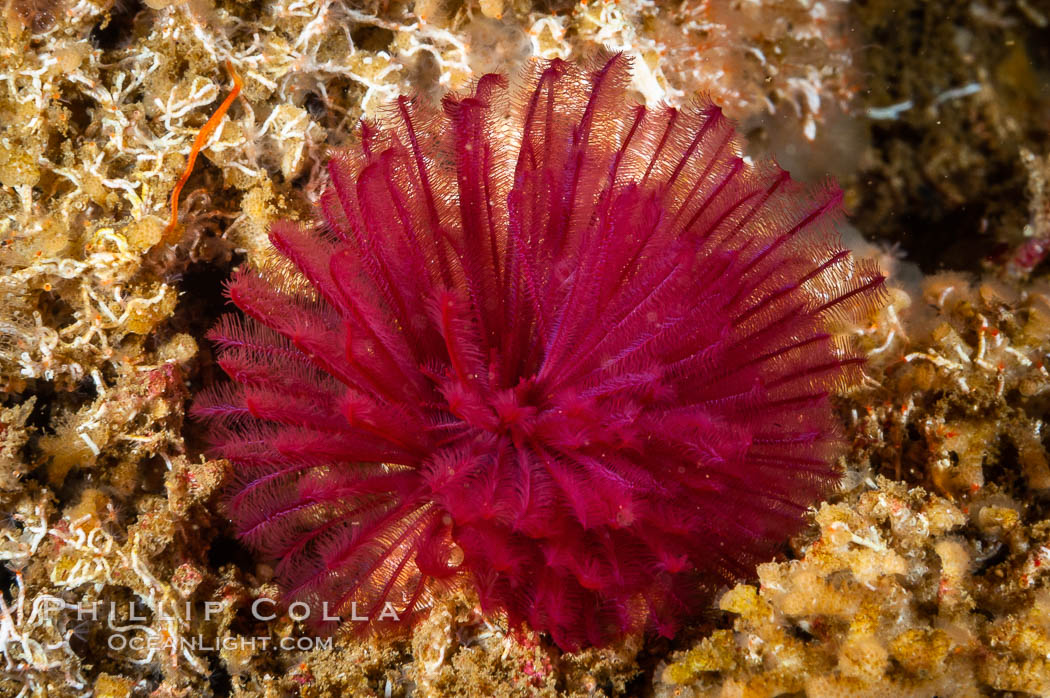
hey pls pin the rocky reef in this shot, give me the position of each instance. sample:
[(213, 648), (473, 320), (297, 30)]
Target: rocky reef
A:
[(924, 575)]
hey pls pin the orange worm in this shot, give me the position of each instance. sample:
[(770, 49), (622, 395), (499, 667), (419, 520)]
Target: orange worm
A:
[(198, 143)]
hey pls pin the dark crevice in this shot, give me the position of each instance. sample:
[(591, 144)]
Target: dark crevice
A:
[(115, 29)]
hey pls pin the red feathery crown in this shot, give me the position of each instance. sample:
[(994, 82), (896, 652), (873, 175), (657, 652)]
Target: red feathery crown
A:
[(573, 350)]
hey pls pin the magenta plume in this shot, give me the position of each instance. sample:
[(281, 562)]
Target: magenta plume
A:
[(570, 350)]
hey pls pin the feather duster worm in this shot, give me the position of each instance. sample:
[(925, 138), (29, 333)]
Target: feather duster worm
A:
[(571, 349)]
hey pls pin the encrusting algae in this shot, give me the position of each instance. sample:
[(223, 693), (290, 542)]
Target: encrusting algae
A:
[(925, 575)]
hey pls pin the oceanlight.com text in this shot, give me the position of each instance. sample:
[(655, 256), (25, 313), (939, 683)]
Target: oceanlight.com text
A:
[(141, 642)]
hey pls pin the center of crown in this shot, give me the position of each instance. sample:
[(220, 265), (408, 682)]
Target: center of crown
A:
[(513, 411), (507, 411)]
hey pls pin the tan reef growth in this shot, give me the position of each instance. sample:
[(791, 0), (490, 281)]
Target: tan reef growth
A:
[(958, 389), (896, 596)]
